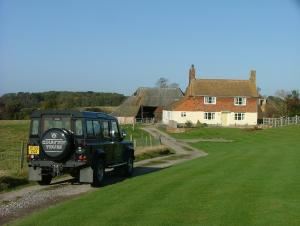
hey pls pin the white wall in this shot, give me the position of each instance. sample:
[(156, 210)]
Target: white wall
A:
[(250, 119), (195, 116)]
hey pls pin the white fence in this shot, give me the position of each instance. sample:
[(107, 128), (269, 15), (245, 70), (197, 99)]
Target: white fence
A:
[(283, 121)]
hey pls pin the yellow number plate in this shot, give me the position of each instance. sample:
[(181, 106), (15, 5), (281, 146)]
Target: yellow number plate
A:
[(33, 150)]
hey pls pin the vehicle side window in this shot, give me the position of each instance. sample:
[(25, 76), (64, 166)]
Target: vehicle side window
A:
[(105, 128), (35, 127), (97, 130), (89, 129), (78, 127), (115, 129)]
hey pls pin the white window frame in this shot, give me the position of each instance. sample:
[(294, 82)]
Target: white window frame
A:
[(240, 101), (209, 115), (210, 100), (239, 116), (183, 114)]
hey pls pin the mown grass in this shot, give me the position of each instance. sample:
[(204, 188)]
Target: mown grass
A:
[(254, 180)]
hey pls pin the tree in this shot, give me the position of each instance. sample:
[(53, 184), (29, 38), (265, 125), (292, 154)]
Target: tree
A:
[(293, 103), (162, 83)]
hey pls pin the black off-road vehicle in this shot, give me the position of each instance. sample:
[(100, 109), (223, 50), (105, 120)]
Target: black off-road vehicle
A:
[(80, 143)]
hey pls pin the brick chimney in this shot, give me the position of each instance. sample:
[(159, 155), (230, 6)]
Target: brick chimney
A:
[(253, 77), (192, 76), (192, 73)]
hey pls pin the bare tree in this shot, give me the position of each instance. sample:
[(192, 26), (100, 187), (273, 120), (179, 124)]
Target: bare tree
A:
[(162, 83)]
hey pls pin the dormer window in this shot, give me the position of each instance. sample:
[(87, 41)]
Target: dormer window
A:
[(210, 100), (240, 101)]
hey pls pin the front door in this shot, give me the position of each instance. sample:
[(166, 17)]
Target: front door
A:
[(225, 118), (107, 143), (118, 148)]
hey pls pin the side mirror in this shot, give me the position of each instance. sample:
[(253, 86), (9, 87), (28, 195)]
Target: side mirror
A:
[(123, 134)]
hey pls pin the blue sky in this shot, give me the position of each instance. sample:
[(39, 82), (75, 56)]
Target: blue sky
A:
[(117, 46)]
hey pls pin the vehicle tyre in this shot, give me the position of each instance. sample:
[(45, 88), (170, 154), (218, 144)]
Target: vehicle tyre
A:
[(98, 173), (127, 169), (46, 179), (57, 144)]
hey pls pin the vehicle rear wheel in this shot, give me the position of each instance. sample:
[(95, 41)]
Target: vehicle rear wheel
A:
[(46, 179), (98, 173)]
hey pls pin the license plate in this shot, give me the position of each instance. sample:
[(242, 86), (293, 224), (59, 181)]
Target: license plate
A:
[(33, 150)]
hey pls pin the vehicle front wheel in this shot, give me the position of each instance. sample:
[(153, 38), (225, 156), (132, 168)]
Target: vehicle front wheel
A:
[(129, 166), (127, 169), (98, 173), (46, 179)]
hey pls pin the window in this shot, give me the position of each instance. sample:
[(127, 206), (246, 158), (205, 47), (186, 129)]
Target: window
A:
[(105, 129), (35, 127), (114, 129), (239, 116), (89, 128), (56, 122), (183, 114), (96, 126), (241, 101), (210, 100), (78, 127), (209, 115)]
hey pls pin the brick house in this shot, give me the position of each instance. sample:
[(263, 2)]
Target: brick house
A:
[(216, 102)]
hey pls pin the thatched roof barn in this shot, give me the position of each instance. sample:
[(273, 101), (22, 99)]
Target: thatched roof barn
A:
[(147, 103)]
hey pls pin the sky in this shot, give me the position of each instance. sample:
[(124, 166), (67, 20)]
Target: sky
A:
[(118, 46)]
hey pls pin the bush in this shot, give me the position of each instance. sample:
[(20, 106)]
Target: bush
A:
[(189, 124), (200, 125)]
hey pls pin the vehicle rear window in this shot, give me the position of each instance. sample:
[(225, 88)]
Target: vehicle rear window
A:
[(56, 122)]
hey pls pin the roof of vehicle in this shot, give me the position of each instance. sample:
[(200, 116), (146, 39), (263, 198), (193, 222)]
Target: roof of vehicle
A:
[(73, 113)]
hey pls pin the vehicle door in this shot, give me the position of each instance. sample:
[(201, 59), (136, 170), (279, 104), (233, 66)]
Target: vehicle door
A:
[(92, 141), (107, 143), (116, 139)]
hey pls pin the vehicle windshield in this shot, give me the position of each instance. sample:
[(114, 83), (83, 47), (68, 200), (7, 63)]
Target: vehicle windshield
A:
[(61, 122)]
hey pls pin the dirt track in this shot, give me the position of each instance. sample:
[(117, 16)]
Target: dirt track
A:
[(24, 201)]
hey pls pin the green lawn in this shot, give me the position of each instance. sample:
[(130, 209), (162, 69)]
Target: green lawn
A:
[(254, 180)]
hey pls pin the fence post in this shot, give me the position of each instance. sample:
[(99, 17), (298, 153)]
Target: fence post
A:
[(150, 140), (22, 156), (296, 119)]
